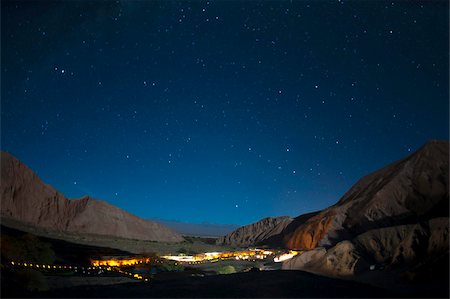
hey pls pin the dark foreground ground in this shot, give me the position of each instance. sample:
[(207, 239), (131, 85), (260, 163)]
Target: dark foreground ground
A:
[(293, 284), (250, 284)]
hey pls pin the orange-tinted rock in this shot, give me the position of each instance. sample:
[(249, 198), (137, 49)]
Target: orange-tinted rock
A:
[(309, 234)]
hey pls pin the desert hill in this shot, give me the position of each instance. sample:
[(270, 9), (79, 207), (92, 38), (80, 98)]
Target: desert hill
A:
[(405, 192), (26, 199), (255, 233), (408, 191), (391, 229)]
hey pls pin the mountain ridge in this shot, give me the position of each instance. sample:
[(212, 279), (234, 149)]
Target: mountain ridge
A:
[(26, 198), (390, 229), (255, 233), (388, 196)]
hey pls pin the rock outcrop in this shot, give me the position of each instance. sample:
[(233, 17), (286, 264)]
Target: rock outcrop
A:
[(255, 233), (402, 246), (25, 198)]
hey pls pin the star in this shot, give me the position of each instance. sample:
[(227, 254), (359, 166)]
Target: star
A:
[(176, 93)]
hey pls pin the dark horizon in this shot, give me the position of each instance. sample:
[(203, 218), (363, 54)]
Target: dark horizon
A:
[(220, 112)]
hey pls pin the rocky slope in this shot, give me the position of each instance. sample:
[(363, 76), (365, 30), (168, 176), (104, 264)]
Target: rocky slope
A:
[(407, 191), (389, 247), (255, 233), (25, 198), (391, 229), (407, 258)]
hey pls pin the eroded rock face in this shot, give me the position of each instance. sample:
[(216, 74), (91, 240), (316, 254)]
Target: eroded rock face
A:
[(405, 244), (308, 235), (407, 191), (255, 233), (25, 198), (391, 247), (343, 259), (300, 261)]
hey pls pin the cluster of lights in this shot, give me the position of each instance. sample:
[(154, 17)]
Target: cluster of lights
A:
[(286, 256), (195, 263), (120, 262), (56, 267), (114, 264), (215, 256), (136, 276), (41, 266)]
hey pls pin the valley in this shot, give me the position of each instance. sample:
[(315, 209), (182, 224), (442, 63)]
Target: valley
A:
[(119, 274), (34, 264), (388, 233)]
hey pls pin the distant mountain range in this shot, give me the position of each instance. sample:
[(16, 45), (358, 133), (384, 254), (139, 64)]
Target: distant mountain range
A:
[(204, 229), (256, 233)]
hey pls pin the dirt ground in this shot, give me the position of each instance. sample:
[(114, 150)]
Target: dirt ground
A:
[(266, 284)]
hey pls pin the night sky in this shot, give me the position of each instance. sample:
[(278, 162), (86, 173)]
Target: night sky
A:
[(225, 112)]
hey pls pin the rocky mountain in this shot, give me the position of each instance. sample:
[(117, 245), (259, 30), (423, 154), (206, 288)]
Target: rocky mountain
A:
[(26, 199), (255, 233), (391, 229), (408, 191)]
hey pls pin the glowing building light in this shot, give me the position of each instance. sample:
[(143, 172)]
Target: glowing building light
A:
[(285, 257)]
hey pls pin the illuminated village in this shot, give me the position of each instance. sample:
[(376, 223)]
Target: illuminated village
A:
[(129, 266)]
